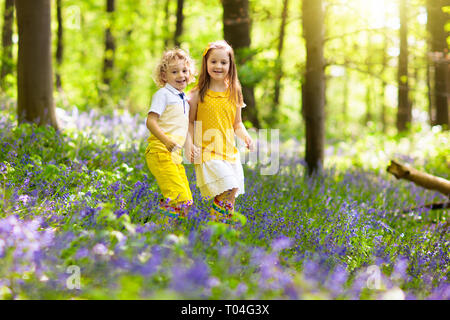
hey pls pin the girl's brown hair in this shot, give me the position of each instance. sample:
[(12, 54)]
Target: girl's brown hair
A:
[(168, 57), (234, 86)]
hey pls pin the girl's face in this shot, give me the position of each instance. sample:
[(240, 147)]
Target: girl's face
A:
[(218, 64)]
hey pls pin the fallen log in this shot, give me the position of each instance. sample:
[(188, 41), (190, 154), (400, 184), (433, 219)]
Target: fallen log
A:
[(430, 206), (422, 179)]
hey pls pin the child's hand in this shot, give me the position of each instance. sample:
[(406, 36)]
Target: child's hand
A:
[(197, 152), (172, 146), (192, 151), (249, 143), (194, 154)]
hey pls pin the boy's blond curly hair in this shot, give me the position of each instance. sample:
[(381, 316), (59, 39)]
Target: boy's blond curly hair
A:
[(167, 58)]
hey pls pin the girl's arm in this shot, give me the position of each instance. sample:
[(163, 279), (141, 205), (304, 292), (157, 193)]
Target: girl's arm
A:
[(191, 148), (193, 102), (154, 128), (241, 132)]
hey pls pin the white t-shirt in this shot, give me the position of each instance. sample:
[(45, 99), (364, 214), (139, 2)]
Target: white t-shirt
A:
[(173, 111), (168, 95)]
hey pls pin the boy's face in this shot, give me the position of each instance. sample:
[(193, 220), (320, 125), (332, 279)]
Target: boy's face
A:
[(177, 74)]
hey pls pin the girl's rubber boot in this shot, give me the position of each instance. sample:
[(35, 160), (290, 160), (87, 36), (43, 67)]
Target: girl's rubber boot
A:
[(222, 211)]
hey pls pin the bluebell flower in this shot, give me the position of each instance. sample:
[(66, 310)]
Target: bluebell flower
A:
[(281, 243)]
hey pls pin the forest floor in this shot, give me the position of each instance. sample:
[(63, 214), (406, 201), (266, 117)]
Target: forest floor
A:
[(73, 204)]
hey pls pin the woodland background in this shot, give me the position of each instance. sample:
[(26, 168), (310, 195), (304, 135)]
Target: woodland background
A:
[(381, 64)]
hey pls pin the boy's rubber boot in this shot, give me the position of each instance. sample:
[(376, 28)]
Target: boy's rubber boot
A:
[(171, 215), (167, 211)]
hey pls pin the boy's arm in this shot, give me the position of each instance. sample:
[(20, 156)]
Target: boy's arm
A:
[(154, 128), (241, 132)]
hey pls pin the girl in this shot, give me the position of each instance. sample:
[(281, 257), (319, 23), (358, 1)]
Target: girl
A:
[(168, 121), (215, 116)]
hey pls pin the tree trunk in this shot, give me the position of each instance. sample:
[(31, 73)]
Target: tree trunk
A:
[(236, 29), (439, 47), (368, 98), (179, 25), (59, 44), (166, 23), (416, 80), (431, 108), (110, 45), (34, 65), (404, 112), (274, 117), (7, 33), (346, 80), (383, 106), (313, 88), (384, 66), (345, 90), (369, 84)]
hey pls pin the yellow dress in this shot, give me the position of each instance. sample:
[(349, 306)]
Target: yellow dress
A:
[(220, 168), (214, 127)]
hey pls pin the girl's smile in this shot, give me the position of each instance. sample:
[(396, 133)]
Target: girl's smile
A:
[(218, 64)]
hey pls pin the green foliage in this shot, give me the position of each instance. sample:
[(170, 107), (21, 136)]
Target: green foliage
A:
[(359, 39)]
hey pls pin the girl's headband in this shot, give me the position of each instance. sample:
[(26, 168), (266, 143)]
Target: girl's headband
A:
[(206, 50)]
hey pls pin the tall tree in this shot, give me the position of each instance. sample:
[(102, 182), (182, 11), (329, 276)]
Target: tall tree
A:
[(369, 81), (439, 47), (236, 29), (345, 80), (179, 25), (59, 44), (34, 64), (166, 23), (384, 65), (430, 97), (404, 112), (313, 88), (7, 33), (279, 64), (110, 44)]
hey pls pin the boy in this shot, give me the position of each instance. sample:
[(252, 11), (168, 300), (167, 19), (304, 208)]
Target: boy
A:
[(168, 121)]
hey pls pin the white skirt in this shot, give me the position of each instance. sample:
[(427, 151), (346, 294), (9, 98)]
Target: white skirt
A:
[(217, 176)]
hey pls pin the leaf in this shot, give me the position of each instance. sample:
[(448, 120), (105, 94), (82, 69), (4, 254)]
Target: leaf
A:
[(240, 218)]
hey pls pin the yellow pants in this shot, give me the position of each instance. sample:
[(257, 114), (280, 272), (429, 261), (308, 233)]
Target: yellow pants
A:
[(170, 177)]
